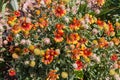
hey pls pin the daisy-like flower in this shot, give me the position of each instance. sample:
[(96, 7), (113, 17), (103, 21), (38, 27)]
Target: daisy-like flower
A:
[(114, 57), (75, 24), (102, 42), (76, 53), (49, 55), (52, 75), (87, 52), (26, 26), (59, 11), (79, 65), (73, 38), (47, 59), (16, 29), (43, 23), (58, 38), (60, 26), (59, 33)]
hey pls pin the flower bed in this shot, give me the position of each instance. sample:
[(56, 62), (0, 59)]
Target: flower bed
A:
[(59, 40)]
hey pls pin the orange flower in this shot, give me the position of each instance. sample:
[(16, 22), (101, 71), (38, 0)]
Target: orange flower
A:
[(52, 75), (58, 38), (51, 52), (100, 23), (47, 59), (87, 52), (59, 11), (10, 38), (111, 29), (76, 53), (59, 26), (47, 2), (26, 26), (75, 24), (16, 29), (73, 38), (43, 23), (100, 2), (49, 55), (116, 41), (103, 42)]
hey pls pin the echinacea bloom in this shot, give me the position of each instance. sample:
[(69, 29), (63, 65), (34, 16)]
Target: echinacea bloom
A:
[(43, 23), (79, 65), (26, 26), (11, 72), (75, 24), (73, 38), (59, 11), (52, 75), (114, 57)]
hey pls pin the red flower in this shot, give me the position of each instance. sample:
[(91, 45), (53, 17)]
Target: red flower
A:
[(12, 72), (75, 24), (59, 11), (114, 57), (17, 13), (87, 52), (26, 26), (79, 65)]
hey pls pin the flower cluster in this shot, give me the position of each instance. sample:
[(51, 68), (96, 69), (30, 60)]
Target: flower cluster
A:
[(59, 39)]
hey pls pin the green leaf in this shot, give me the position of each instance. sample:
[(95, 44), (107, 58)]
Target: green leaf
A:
[(3, 9), (118, 33), (14, 4), (79, 73)]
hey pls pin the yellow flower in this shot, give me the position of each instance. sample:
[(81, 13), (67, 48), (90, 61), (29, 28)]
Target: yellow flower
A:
[(66, 1), (64, 74), (31, 47), (95, 42), (38, 12), (37, 51), (83, 47), (86, 59), (32, 63), (112, 72), (42, 53), (15, 56)]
